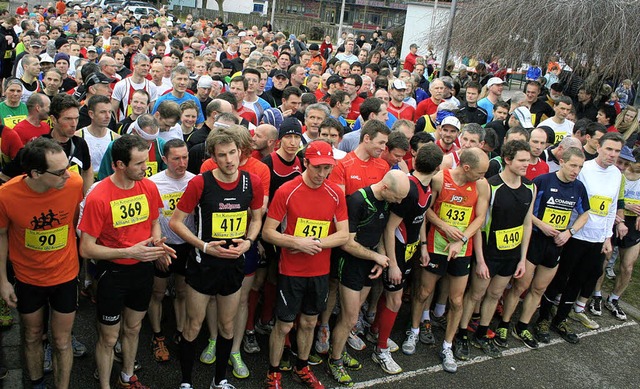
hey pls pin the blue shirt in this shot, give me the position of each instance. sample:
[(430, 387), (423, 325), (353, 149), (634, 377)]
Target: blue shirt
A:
[(186, 97)]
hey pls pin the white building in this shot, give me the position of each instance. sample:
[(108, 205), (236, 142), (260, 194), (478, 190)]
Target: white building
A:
[(422, 22)]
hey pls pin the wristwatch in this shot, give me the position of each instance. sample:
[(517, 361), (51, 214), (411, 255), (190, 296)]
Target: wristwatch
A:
[(464, 239), (572, 231)]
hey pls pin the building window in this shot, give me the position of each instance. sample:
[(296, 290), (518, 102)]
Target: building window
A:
[(258, 8)]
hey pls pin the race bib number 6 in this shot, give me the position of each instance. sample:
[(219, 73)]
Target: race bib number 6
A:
[(228, 225), (600, 205), (455, 215), (130, 210), (46, 240), (308, 227), (556, 218)]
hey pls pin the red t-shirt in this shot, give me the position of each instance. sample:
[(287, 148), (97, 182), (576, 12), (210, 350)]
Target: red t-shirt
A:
[(354, 173), (28, 131), (426, 107), (10, 144), (253, 166), (304, 218), (404, 112), (121, 218), (248, 115), (354, 112), (538, 169)]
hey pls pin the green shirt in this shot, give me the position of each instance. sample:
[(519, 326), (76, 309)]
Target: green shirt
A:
[(13, 115)]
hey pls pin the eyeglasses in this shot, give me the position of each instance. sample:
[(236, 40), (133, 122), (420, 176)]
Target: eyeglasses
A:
[(349, 84), (58, 173)]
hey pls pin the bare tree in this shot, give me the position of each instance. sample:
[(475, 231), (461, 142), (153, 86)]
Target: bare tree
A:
[(220, 8), (592, 35)]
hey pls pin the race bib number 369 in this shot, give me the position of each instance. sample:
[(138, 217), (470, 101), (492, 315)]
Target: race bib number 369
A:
[(130, 210), (228, 225)]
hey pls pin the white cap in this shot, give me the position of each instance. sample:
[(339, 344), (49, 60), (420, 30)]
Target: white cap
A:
[(495, 81), (399, 84), (524, 117), (452, 121), (92, 48), (205, 82)]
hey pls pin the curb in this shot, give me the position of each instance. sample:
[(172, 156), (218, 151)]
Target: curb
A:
[(630, 310), (10, 346)]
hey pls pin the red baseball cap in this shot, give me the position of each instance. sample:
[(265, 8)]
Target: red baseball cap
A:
[(320, 152)]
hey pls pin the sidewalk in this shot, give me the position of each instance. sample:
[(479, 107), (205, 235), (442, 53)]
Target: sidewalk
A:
[(10, 355)]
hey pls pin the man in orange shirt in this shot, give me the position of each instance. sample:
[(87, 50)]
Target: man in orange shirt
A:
[(37, 219), (61, 7)]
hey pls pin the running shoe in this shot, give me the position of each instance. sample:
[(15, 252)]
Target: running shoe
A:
[(314, 359), (273, 381), (409, 344), (250, 343), (48, 358), (264, 329), (449, 363), (615, 309), (132, 384), (609, 273), (322, 339), (355, 342), (526, 337), (350, 362), (542, 331), (185, 386), (473, 326), (240, 369), (307, 378), (461, 348), (487, 345), (582, 318), (285, 360), (439, 321), (208, 355), (224, 384), (373, 338), (564, 330), (501, 337), (595, 306), (426, 333), (339, 373), (160, 351), (79, 349), (383, 358)]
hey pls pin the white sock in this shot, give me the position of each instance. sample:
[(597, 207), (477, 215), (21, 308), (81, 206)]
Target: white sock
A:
[(578, 307), (597, 293), (613, 297), (125, 377), (439, 310), (446, 345), (425, 315), (415, 331)]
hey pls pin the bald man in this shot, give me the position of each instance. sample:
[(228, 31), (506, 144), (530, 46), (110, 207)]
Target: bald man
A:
[(264, 140), (553, 154)]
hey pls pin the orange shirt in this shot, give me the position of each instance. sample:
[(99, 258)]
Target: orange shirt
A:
[(41, 230), (354, 173), (251, 166)]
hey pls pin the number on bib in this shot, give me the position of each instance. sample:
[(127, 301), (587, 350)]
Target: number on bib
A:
[(556, 218), (510, 238), (152, 168), (170, 202), (228, 225), (600, 205), (13, 120), (560, 135), (46, 240), (410, 250), (455, 215), (630, 202), (309, 227), (74, 168), (130, 210)]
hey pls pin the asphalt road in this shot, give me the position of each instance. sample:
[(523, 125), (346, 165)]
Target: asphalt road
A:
[(605, 358)]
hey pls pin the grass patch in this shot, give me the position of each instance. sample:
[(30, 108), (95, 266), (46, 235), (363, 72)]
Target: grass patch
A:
[(632, 294)]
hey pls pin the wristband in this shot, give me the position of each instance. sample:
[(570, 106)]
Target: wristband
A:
[(423, 243), (204, 247), (250, 241)]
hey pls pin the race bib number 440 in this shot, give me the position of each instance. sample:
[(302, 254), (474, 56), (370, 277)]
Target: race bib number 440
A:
[(130, 210), (510, 238), (228, 225)]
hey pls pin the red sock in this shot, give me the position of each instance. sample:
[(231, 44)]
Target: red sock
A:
[(269, 302), (287, 342), (375, 326), (254, 296), (386, 319)]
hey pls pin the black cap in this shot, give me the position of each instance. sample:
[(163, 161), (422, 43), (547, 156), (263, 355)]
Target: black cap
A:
[(335, 79), (97, 78), (280, 73), (290, 125), (314, 46)]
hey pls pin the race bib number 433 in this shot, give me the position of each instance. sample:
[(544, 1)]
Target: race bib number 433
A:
[(228, 225), (455, 215), (130, 210), (46, 240)]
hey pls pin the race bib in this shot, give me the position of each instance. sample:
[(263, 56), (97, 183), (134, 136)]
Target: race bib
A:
[(130, 210), (228, 225), (152, 168), (74, 168), (560, 135), (13, 120), (410, 250), (510, 238), (556, 218), (600, 205), (46, 240), (170, 201), (308, 227), (455, 215), (631, 202)]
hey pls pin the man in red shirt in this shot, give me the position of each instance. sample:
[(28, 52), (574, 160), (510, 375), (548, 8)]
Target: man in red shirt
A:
[(38, 105), (238, 86), (120, 230), (538, 142), (410, 59), (397, 106), (352, 85), (305, 258), (430, 106)]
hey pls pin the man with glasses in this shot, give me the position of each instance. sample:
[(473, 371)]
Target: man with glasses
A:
[(352, 86), (37, 220)]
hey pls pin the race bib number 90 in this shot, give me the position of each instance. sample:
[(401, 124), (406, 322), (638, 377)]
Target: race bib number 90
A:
[(556, 218), (130, 210), (510, 238), (308, 227), (228, 225), (455, 215), (600, 205), (46, 240)]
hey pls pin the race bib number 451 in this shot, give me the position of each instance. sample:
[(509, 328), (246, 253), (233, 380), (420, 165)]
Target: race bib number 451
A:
[(130, 210), (228, 225), (307, 227)]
